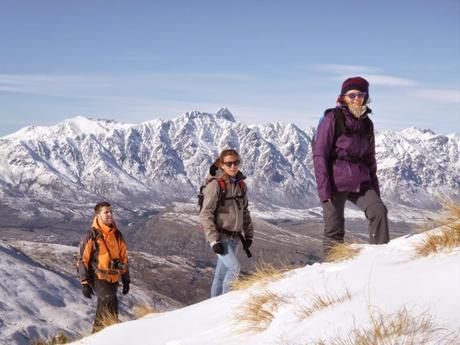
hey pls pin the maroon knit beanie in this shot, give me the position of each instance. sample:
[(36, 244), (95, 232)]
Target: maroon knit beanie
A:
[(355, 83)]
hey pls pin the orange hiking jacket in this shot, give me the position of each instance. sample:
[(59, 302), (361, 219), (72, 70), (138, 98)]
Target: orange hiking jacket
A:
[(101, 246)]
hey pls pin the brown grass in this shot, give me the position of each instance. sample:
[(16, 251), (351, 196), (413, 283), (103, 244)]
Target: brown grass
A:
[(258, 311), (60, 338), (450, 212), (107, 319), (142, 310), (342, 251), (263, 274), (396, 329), (319, 302), (447, 238)]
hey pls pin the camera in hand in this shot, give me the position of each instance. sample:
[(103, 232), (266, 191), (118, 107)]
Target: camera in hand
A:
[(116, 265)]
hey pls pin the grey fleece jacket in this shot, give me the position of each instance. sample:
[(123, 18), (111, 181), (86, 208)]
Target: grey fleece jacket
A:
[(230, 216)]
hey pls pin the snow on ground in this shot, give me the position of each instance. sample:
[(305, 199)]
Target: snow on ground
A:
[(33, 299), (40, 296), (381, 279)]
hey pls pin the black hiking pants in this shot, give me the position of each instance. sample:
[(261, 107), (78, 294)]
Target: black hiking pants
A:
[(334, 220), (107, 303)]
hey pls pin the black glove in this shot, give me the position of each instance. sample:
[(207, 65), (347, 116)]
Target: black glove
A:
[(218, 248), (248, 243), (87, 291), (125, 288)]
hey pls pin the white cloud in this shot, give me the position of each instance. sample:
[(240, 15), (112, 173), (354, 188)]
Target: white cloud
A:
[(372, 74), (443, 95), (77, 86), (54, 85), (346, 69), (388, 80), (134, 57)]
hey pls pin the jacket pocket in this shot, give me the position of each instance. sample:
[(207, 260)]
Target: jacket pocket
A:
[(342, 175)]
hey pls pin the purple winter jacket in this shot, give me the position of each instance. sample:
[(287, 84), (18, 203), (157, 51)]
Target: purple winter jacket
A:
[(334, 176)]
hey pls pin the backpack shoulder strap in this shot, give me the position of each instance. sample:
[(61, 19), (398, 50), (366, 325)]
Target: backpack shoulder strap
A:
[(242, 185), (339, 124), (369, 127), (94, 234), (243, 189), (222, 190)]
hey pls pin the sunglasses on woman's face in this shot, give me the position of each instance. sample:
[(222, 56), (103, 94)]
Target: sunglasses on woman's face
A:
[(235, 163), (353, 95)]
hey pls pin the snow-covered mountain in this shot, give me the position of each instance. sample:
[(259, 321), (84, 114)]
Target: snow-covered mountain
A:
[(62, 170), (385, 295)]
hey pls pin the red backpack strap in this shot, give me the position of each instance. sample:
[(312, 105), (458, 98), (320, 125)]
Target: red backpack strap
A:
[(221, 183), (222, 189), (243, 188)]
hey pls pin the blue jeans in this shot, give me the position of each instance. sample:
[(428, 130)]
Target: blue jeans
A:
[(227, 268)]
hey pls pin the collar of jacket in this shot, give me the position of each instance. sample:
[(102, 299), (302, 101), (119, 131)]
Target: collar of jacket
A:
[(347, 111), (214, 171), (102, 227)]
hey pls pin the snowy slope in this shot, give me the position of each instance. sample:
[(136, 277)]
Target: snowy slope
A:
[(382, 280), (40, 296), (37, 302), (57, 171)]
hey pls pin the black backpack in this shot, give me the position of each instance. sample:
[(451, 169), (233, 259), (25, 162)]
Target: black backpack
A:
[(340, 127), (77, 256)]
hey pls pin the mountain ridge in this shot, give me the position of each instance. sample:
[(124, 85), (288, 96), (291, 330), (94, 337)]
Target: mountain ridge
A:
[(59, 170)]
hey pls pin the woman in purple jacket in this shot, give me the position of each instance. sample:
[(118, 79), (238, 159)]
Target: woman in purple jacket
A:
[(345, 166)]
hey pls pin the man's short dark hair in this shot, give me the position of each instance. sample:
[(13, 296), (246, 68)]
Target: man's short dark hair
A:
[(100, 205)]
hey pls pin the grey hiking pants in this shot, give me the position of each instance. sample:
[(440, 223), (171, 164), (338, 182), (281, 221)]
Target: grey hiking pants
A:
[(334, 221), (107, 303)]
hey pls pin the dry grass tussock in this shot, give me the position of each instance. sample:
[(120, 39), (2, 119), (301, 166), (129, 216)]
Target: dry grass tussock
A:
[(60, 338), (342, 251), (319, 302), (142, 310), (450, 213), (447, 238), (263, 274), (258, 311), (107, 319), (396, 329)]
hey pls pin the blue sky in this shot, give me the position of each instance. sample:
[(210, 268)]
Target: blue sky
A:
[(266, 61)]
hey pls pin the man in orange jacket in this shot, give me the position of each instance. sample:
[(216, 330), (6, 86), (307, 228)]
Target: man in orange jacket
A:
[(104, 262)]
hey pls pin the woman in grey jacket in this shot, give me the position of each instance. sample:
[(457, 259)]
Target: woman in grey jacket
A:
[(225, 218)]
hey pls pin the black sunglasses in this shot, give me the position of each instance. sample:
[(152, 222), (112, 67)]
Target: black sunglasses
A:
[(235, 163)]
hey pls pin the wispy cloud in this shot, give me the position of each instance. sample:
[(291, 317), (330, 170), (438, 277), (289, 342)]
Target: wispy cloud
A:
[(388, 80), (373, 74), (54, 85), (443, 95), (134, 57), (346, 69), (78, 86)]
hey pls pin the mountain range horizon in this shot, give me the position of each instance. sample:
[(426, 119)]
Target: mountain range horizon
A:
[(58, 171)]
